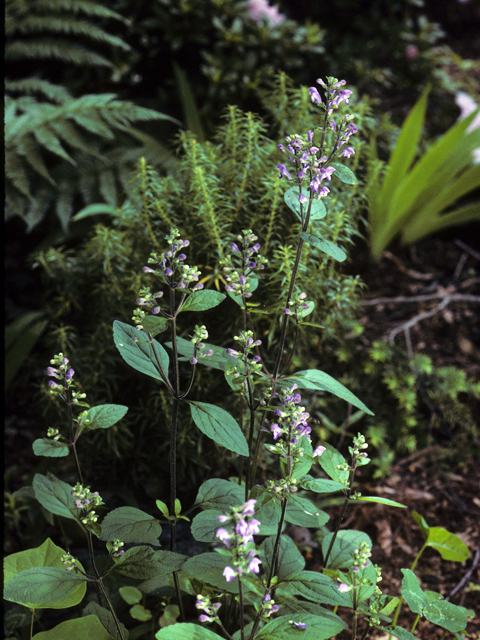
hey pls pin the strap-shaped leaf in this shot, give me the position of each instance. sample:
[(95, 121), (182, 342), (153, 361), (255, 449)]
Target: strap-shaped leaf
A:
[(324, 245), (219, 425), (137, 351)]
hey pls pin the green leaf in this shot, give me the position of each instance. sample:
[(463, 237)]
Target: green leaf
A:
[(95, 210), (343, 173), (321, 381), (290, 560), (219, 425), (324, 245), (320, 485), (330, 460), (131, 595), (202, 300), (50, 448), (420, 520), (208, 567), (390, 503), (412, 592), (46, 555), (318, 628), (346, 541), (446, 615), (54, 495), (304, 513), (138, 612), (205, 525), (397, 632), (154, 325), (142, 563), (317, 210), (45, 587), (301, 465), (106, 617), (318, 587), (186, 631), (190, 109), (267, 510), (86, 628), (220, 494), (131, 525), (448, 545), (137, 351), (217, 361), (104, 416)]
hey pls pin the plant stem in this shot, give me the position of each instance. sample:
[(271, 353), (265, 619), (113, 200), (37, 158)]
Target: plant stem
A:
[(348, 496), (112, 609)]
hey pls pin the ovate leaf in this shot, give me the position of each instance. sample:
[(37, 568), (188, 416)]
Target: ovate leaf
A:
[(290, 560), (343, 173), (104, 416), (219, 425), (54, 495), (209, 567), (186, 631), (131, 525), (86, 628), (136, 350), (320, 485), (50, 448), (106, 618), (318, 587), (412, 592), (341, 555), (304, 513), (143, 563), (45, 587), (317, 628), (219, 494), (202, 300), (317, 211), (324, 245), (205, 525), (446, 615)]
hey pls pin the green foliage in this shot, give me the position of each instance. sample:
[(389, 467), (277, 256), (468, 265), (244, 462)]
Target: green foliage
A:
[(60, 148), (414, 201)]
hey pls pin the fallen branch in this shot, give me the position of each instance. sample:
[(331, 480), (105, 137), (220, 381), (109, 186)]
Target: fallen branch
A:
[(463, 581)]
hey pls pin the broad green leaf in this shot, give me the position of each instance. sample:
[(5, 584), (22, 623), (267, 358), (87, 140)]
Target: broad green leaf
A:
[(86, 628), (54, 495), (318, 587), (106, 618), (321, 381), (412, 592), (397, 632), (186, 631), (267, 510), (45, 587), (343, 173), (346, 541), (446, 615), (219, 425), (202, 300), (131, 525), (317, 210), (448, 545), (296, 606), (131, 595), (220, 494), (304, 513), (50, 448), (290, 560), (320, 485), (301, 465), (46, 555), (154, 325), (324, 245), (104, 416), (217, 361), (137, 351), (205, 525), (390, 503), (318, 628), (209, 567), (143, 563), (306, 312), (138, 612), (330, 460)]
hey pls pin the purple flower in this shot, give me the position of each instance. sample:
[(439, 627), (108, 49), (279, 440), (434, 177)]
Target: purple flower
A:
[(343, 588), (347, 152), (52, 372), (254, 565), (298, 625), (234, 247), (284, 173), (193, 361), (148, 270), (315, 96), (229, 574), (168, 272), (302, 198), (318, 451), (224, 536), (248, 508), (69, 375)]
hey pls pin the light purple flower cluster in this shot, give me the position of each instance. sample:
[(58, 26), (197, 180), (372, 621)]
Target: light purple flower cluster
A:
[(171, 270), (246, 365), (298, 305), (85, 499), (200, 334), (209, 608), (237, 533), (309, 160), (64, 374), (238, 277)]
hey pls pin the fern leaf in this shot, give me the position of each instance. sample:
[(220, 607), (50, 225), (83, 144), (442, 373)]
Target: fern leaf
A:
[(79, 6), (64, 203), (28, 148), (70, 26), (46, 137), (46, 48), (54, 92), (15, 172)]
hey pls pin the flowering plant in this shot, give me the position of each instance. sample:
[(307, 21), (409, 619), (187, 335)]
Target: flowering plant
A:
[(252, 582)]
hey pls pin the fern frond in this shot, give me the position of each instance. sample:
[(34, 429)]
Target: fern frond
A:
[(47, 48), (31, 86), (50, 24), (79, 6)]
